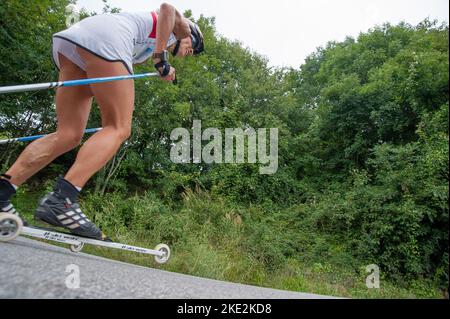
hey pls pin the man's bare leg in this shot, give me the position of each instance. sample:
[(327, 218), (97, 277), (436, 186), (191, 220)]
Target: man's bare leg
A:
[(116, 102), (73, 105)]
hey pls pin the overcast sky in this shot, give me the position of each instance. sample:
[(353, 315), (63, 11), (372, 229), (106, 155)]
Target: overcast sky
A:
[(287, 31)]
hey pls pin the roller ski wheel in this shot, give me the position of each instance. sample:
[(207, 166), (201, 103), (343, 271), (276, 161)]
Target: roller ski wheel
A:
[(10, 227), (166, 254), (77, 248)]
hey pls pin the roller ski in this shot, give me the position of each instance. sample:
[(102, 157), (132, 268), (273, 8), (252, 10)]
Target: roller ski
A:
[(11, 227), (60, 209)]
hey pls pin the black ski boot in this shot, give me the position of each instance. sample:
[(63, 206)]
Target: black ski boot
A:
[(60, 209), (6, 192)]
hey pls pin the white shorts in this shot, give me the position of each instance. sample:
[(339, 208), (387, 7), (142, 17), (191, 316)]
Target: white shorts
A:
[(108, 36), (69, 50)]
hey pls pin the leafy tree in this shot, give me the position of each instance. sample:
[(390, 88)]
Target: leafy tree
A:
[(363, 142)]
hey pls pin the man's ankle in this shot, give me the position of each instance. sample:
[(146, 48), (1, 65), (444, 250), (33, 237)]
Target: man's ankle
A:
[(7, 190), (8, 178), (67, 189)]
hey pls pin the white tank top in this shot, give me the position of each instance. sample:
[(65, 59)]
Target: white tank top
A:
[(145, 40), (126, 37)]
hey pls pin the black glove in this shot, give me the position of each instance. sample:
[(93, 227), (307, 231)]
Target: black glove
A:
[(165, 68)]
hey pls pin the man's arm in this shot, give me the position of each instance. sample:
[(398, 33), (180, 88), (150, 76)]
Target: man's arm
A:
[(170, 20)]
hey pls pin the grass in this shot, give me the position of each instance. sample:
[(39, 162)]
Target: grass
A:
[(212, 239)]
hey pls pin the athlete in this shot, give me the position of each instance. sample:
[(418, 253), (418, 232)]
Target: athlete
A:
[(99, 46)]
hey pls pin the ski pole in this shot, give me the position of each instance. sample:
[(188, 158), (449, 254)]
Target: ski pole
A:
[(52, 85), (36, 137)]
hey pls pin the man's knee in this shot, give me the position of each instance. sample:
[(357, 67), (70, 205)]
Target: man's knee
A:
[(69, 139), (124, 133)]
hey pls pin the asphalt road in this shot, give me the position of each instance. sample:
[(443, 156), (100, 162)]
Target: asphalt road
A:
[(31, 269)]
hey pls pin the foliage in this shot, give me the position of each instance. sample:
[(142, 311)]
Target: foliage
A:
[(363, 154)]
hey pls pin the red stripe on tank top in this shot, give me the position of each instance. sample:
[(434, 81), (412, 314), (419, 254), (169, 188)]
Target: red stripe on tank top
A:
[(155, 22)]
